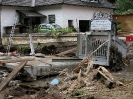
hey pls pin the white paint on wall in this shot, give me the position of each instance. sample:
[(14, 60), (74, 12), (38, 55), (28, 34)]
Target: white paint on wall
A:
[(8, 15), (77, 13), (51, 10), (63, 13)]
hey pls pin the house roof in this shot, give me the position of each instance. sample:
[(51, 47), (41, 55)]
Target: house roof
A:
[(16, 2), (28, 3)]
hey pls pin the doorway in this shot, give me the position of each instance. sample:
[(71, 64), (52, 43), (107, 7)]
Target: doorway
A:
[(84, 25)]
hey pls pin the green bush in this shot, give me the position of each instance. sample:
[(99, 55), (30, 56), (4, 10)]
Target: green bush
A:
[(23, 49), (57, 33), (78, 92)]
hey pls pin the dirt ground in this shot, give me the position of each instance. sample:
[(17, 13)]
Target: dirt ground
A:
[(71, 88), (96, 89)]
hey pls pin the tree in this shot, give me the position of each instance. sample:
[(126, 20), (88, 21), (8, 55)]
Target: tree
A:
[(125, 6)]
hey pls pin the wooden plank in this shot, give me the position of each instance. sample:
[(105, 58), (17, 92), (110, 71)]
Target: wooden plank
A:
[(105, 76), (16, 60), (66, 52), (12, 74)]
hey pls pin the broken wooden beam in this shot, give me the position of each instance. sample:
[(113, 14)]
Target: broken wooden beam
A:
[(104, 75), (66, 52), (16, 60), (106, 72), (12, 74)]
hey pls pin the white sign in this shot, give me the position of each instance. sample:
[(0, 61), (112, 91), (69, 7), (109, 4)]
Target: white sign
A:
[(101, 25)]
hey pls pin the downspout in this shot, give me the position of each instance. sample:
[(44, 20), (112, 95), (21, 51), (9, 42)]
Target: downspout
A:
[(33, 3)]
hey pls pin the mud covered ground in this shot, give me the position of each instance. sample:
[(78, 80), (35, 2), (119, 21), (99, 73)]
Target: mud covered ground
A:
[(96, 89), (41, 89)]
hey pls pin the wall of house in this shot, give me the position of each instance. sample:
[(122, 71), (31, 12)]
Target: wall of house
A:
[(8, 15), (51, 10), (76, 13), (63, 13)]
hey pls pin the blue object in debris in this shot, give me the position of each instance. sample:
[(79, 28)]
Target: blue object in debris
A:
[(54, 81)]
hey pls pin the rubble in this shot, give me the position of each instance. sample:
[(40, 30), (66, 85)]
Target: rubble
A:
[(86, 79), (87, 82)]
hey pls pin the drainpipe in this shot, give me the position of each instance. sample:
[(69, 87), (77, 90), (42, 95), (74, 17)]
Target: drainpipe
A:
[(33, 3)]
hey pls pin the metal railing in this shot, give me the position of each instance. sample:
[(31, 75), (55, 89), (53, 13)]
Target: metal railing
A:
[(86, 44)]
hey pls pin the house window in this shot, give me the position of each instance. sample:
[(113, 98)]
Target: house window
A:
[(70, 23), (51, 18)]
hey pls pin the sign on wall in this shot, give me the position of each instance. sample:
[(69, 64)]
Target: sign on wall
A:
[(101, 25), (101, 21)]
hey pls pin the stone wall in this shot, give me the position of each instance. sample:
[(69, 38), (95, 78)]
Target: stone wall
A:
[(20, 39)]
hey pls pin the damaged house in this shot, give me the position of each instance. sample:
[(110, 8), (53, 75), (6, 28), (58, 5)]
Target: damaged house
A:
[(66, 13)]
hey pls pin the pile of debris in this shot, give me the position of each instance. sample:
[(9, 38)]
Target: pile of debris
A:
[(79, 83), (86, 79), (130, 51)]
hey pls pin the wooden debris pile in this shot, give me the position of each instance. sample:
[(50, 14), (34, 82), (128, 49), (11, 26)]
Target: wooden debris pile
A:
[(87, 79)]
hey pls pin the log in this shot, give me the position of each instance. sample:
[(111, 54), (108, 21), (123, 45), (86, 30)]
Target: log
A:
[(12, 74), (81, 64), (79, 78), (105, 76), (66, 52), (94, 73), (16, 60), (90, 64)]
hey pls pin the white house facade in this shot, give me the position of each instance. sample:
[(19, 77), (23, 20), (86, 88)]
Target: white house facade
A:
[(76, 13), (8, 16), (64, 13)]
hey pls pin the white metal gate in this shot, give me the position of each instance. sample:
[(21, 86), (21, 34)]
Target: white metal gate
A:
[(88, 43)]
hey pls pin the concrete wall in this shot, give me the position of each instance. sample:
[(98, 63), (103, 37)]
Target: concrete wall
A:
[(39, 38), (8, 16)]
